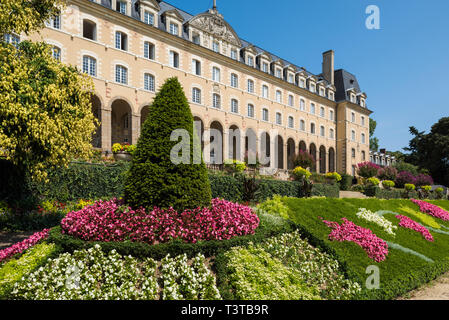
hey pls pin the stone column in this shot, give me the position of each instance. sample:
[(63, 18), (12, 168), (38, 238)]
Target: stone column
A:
[(285, 156), (135, 128), (226, 145), (206, 151), (242, 146), (273, 153), (106, 129)]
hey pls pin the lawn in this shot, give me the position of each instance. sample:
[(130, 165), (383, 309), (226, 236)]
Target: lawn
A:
[(411, 261)]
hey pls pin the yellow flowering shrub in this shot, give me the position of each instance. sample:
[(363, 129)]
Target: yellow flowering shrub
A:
[(301, 173)]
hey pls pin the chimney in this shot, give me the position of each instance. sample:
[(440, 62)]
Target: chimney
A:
[(329, 66)]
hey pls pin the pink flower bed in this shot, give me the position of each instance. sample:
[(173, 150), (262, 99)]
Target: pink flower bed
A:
[(22, 246), (111, 221), (375, 247), (431, 209), (408, 223)]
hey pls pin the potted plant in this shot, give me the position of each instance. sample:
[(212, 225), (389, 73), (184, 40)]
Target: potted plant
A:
[(123, 152), (333, 177)]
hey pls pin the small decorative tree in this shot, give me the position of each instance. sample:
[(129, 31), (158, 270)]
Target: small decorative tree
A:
[(304, 159), (367, 169), (154, 179)]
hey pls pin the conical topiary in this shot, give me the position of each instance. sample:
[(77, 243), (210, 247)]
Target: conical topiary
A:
[(154, 180)]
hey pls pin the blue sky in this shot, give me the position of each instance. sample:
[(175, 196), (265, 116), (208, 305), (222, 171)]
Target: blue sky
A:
[(403, 67)]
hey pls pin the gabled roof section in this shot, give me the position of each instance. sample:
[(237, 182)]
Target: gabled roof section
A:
[(150, 3), (345, 81)]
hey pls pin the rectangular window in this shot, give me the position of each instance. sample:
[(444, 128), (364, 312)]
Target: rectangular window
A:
[(265, 67), (196, 38), (121, 41), (312, 108), (265, 92), (174, 59), (196, 95), (149, 82), (234, 54), (148, 50), (149, 18), (322, 112), (216, 74), (250, 111), (121, 7), (121, 75), (234, 106), (234, 80), (174, 29), (278, 96), (90, 66), (250, 86), (196, 67), (291, 101), (302, 105), (331, 115), (291, 122), (278, 118), (265, 115), (216, 101), (216, 46), (278, 73), (54, 22), (56, 53), (250, 61)]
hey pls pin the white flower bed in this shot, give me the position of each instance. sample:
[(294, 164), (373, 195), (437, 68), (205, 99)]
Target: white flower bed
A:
[(370, 216), (187, 282)]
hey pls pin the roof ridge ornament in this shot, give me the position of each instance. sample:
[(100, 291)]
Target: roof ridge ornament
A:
[(215, 5)]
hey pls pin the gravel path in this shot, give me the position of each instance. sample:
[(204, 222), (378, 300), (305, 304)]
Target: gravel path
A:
[(434, 290), (7, 239)]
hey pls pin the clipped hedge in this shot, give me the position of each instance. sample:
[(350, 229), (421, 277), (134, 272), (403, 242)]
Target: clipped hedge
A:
[(268, 188), (83, 181), (226, 187), (326, 190)]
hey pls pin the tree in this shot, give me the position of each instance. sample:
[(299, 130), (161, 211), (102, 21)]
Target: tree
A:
[(431, 151), (373, 141), (25, 16), (154, 179)]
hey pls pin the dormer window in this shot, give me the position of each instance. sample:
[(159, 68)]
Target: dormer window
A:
[(322, 92), (302, 83), (331, 96), (312, 88), (265, 67), (234, 54), (216, 46), (353, 98), (174, 29), (149, 18), (121, 7), (250, 61), (278, 73), (362, 103), (196, 38)]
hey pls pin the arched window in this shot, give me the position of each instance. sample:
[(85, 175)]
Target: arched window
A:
[(121, 74), (196, 95), (312, 108), (149, 83), (265, 91), (278, 96), (291, 100), (353, 135), (89, 30), (250, 111), (278, 118), (291, 122), (331, 134), (363, 156), (322, 131), (312, 128), (363, 138), (216, 101), (90, 66), (302, 105)]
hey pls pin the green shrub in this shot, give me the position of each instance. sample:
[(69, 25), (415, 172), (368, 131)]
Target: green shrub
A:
[(13, 270), (372, 181), (226, 187), (268, 188), (409, 187), (234, 166), (426, 188), (326, 190), (388, 184), (154, 180), (346, 182), (318, 178), (358, 188), (274, 206)]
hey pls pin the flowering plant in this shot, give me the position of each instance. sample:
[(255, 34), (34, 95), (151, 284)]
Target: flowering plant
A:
[(431, 209), (367, 169), (22, 246), (409, 187), (300, 173), (333, 175), (126, 147), (426, 188), (405, 177), (423, 180), (375, 247), (387, 173), (408, 223), (235, 165), (377, 219), (372, 181), (111, 221)]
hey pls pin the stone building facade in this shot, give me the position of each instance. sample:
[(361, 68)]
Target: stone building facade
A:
[(130, 47)]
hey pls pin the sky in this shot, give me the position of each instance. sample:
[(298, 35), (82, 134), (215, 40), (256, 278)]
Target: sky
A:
[(403, 67)]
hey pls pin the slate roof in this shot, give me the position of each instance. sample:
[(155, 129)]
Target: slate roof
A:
[(343, 79)]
